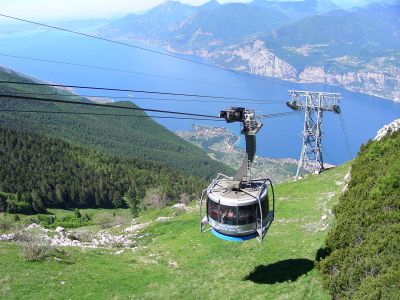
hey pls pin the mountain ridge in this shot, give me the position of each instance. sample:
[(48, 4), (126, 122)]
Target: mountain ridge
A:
[(353, 53)]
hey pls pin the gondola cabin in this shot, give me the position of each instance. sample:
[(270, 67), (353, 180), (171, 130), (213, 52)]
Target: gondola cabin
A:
[(238, 208)]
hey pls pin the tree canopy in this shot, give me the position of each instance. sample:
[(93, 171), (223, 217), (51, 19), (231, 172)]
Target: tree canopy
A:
[(41, 172)]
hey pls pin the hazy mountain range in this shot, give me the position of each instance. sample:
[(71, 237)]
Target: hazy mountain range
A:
[(308, 41)]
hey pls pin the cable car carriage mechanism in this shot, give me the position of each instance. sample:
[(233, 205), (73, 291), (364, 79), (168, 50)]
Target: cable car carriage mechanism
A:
[(237, 208)]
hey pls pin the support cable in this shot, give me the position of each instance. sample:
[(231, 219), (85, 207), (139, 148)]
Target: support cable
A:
[(107, 105), (104, 114), (273, 115), (270, 116), (122, 71), (346, 138), (133, 91), (138, 98)]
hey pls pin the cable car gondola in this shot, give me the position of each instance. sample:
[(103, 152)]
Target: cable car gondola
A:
[(238, 208)]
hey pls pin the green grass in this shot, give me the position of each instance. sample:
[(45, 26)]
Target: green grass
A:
[(178, 262)]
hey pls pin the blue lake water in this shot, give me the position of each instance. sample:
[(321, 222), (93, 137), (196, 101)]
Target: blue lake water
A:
[(280, 137)]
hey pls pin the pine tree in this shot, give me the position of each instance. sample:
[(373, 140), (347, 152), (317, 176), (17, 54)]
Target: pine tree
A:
[(3, 203), (37, 203), (117, 199), (60, 194), (133, 201), (77, 213)]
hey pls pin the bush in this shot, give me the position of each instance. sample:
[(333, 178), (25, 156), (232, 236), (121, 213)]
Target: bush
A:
[(85, 236), (185, 198), (77, 213), (107, 220), (86, 217), (155, 198), (20, 235), (34, 220), (35, 250), (104, 220), (5, 223), (70, 221), (20, 207), (46, 220)]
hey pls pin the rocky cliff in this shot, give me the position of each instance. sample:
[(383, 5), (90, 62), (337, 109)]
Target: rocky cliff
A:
[(381, 84), (256, 58)]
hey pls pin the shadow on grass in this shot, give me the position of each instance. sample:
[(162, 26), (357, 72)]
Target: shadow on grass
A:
[(281, 271)]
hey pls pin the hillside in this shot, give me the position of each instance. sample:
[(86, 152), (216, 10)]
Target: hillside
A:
[(365, 244), (289, 40), (169, 258), (41, 172), (137, 137)]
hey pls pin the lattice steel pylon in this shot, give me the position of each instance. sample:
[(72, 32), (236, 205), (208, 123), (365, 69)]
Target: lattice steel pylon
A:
[(313, 104)]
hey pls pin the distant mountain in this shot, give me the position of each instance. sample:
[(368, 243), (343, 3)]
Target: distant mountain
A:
[(350, 28), (226, 24), (359, 3), (232, 22), (344, 48), (212, 4), (156, 23), (306, 41), (317, 43), (298, 8), (137, 137)]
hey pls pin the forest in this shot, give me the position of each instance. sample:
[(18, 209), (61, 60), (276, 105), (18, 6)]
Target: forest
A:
[(137, 136), (38, 172), (364, 245)]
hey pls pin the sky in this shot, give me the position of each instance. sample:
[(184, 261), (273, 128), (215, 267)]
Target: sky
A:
[(81, 9), (51, 10)]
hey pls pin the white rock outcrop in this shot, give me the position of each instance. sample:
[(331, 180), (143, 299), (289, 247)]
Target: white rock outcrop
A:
[(60, 229), (160, 219), (62, 238), (136, 227), (6, 237), (387, 129)]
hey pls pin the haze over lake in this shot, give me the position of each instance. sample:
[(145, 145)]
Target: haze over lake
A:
[(280, 137)]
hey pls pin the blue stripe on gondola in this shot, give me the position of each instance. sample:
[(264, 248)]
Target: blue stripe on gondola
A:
[(234, 238)]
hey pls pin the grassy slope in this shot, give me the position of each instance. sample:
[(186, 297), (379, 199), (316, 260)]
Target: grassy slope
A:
[(206, 266), (122, 136)]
